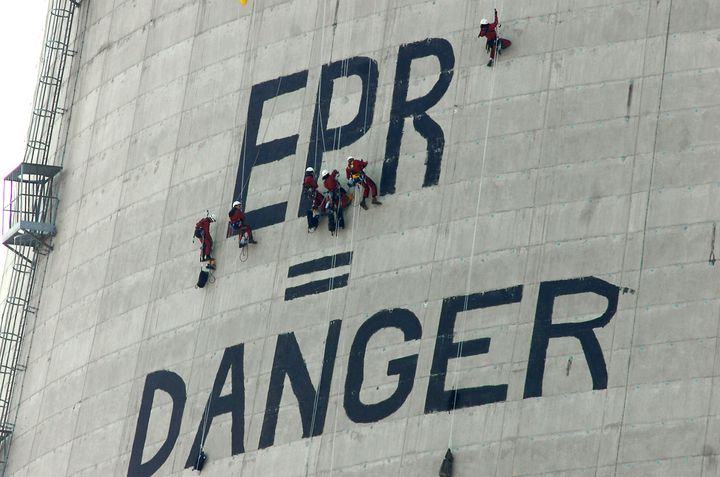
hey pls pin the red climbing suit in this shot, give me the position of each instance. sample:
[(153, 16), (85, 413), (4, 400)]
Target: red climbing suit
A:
[(489, 32), (237, 221), (311, 186), (202, 231), (310, 181), (337, 195), (356, 170), (330, 181)]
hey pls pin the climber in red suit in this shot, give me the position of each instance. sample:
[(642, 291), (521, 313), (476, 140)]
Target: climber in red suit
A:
[(202, 231), (488, 30), (355, 172), (314, 197), (238, 224)]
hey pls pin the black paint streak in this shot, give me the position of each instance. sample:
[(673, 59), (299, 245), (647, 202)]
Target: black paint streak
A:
[(319, 264), (438, 399), (417, 109), (266, 216), (174, 386), (544, 330), (629, 98), (289, 362), (234, 403), (317, 286), (253, 154), (404, 368)]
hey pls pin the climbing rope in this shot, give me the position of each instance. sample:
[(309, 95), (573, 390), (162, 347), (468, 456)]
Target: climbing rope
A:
[(244, 183), (319, 133), (244, 253), (645, 222), (468, 279), (337, 245), (203, 436)]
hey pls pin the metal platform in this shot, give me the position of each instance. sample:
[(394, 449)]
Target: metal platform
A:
[(30, 173), (29, 219), (28, 234)]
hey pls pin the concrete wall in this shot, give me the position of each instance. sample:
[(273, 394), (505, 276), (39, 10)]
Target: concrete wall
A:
[(589, 150)]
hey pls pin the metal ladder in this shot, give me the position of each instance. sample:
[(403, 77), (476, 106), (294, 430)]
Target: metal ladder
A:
[(30, 209)]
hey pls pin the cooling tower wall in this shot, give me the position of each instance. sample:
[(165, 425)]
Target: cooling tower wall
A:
[(537, 291)]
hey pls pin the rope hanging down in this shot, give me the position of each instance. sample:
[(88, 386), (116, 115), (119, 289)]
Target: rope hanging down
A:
[(337, 243), (468, 280)]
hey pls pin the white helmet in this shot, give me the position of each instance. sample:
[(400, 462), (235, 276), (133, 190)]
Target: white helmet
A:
[(212, 217), (324, 173), (310, 169), (484, 21), (350, 158), (237, 203)]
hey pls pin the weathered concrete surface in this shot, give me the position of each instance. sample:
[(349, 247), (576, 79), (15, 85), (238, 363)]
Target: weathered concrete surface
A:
[(590, 149)]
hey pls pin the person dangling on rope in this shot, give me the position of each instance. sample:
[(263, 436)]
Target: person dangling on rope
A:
[(202, 232), (355, 172), (315, 198), (336, 198), (238, 223), (489, 31)]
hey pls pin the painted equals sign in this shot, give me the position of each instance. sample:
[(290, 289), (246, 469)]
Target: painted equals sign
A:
[(317, 265)]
